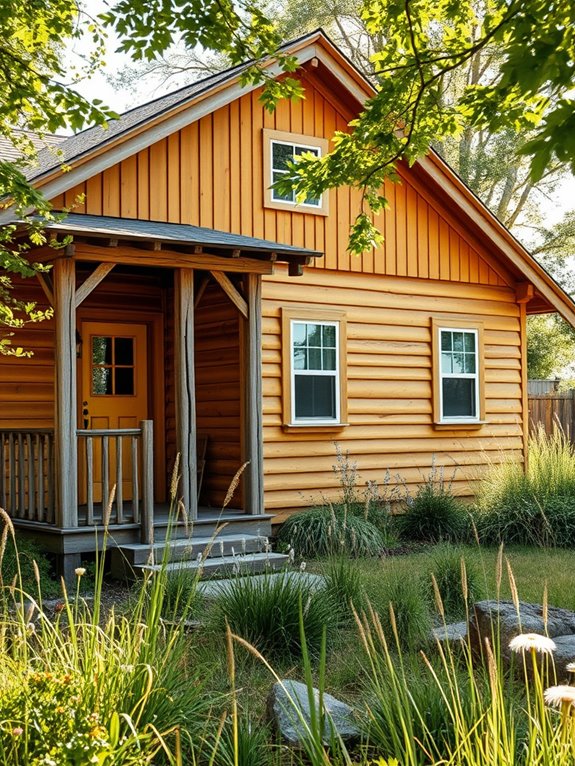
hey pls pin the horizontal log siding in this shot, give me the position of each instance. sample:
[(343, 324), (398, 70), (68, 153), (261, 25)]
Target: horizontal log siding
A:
[(389, 385), (211, 174), (218, 394), (27, 384)]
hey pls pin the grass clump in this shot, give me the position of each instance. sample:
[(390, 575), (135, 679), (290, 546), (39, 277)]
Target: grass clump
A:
[(345, 587), (433, 514), (404, 613), (86, 687), (458, 582), (265, 611), (535, 506), (322, 532)]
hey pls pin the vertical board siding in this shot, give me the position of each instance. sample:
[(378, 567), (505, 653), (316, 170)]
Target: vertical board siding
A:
[(218, 393), (211, 174), (390, 384)]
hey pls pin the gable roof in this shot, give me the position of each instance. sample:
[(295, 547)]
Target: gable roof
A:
[(96, 149), (80, 146)]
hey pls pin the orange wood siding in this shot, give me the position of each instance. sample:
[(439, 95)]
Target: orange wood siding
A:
[(211, 174), (218, 393), (27, 384), (389, 383)]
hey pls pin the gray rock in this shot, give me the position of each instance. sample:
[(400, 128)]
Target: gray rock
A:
[(563, 655), (288, 704), (502, 617), (456, 631), (492, 618)]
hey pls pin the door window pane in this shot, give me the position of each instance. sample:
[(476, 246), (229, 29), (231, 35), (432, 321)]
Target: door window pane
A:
[(124, 381), (101, 350), (124, 351), (101, 381)]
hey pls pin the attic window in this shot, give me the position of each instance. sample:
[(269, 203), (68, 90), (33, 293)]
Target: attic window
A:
[(280, 148)]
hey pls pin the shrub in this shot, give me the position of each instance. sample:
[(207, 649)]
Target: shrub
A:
[(535, 507), (265, 610), (327, 532), (433, 514), (18, 562), (449, 566)]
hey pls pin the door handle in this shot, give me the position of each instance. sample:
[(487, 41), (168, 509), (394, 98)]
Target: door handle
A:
[(86, 413)]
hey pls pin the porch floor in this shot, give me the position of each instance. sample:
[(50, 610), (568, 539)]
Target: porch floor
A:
[(161, 515)]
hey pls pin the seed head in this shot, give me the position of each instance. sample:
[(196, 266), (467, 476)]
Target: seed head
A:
[(526, 642), (557, 696)]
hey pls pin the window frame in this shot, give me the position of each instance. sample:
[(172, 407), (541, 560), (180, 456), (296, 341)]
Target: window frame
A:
[(297, 140), (291, 316), (440, 420)]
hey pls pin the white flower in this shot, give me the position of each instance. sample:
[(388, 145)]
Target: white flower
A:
[(570, 667), (526, 642), (557, 696), (302, 566), (291, 555), (79, 571)]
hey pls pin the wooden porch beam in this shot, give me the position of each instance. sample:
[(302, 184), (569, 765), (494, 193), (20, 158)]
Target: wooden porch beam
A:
[(228, 287), (253, 432), (46, 284), (131, 256), (64, 272), (185, 388), (91, 282)]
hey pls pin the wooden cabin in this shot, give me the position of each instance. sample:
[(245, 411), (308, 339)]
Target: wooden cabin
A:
[(199, 312)]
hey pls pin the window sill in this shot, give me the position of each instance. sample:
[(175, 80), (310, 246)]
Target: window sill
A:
[(460, 425), (310, 428)]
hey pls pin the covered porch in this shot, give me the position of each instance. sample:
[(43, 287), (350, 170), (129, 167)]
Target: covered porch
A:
[(119, 421)]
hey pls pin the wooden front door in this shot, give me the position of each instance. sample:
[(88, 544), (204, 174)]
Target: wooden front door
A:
[(114, 391)]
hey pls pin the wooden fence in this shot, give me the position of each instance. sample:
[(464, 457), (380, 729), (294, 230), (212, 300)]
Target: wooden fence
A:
[(556, 407)]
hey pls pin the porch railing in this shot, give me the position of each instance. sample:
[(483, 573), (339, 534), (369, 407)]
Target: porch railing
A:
[(27, 474), (122, 458)]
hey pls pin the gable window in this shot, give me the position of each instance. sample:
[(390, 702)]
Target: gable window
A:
[(313, 354), (458, 373), (280, 149)]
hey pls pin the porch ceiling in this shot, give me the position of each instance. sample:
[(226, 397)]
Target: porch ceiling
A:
[(184, 238)]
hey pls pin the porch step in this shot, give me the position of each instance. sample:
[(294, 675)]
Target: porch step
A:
[(188, 549), (215, 523), (251, 562)]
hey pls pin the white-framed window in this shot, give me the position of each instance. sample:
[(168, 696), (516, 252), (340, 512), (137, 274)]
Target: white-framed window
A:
[(282, 153), (314, 368), (315, 371), (281, 148), (459, 373)]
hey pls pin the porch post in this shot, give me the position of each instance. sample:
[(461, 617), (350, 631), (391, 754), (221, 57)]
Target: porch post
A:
[(64, 276), (185, 387), (253, 435)]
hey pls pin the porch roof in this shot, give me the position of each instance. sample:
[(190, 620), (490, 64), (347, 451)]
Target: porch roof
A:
[(133, 231)]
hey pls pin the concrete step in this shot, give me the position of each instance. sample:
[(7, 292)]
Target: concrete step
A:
[(189, 548), (251, 562)]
